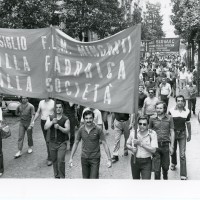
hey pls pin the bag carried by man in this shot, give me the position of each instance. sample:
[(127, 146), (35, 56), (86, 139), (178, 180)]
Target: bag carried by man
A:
[(5, 130)]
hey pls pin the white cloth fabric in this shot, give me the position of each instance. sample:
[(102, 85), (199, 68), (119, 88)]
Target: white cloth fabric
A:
[(46, 108)]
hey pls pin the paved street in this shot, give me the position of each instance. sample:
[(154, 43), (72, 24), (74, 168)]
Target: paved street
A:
[(34, 165)]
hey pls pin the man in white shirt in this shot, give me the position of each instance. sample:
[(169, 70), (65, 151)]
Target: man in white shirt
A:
[(45, 108), (182, 78), (165, 91)]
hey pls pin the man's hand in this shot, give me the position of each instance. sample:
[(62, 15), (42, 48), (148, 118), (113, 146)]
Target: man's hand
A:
[(133, 149), (188, 138), (56, 126), (54, 121), (71, 162), (32, 124), (112, 125), (171, 150), (130, 126), (109, 163)]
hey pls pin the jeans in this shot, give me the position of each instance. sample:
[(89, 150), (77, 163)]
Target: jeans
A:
[(120, 128), (90, 168), (72, 130), (1, 156), (58, 151), (182, 149), (142, 167), (182, 83), (22, 129), (162, 156), (46, 135), (165, 99), (192, 104)]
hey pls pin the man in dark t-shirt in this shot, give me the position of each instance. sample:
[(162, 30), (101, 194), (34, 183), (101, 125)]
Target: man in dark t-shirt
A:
[(59, 129), (91, 135), (141, 97)]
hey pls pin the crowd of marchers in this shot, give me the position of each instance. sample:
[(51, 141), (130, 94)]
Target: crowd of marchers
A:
[(151, 136)]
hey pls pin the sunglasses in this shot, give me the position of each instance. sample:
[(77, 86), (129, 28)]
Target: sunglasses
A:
[(144, 124)]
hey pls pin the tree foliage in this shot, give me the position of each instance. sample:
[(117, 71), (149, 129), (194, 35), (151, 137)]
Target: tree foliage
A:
[(27, 13), (152, 22), (186, 19)]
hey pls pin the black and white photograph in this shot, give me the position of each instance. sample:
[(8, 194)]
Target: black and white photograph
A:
[(106, 90)]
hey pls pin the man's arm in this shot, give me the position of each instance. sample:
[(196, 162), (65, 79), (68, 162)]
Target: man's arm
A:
[(172, 138), (36, 115), (170, 91), (49, 123), (107, 150), (188, 124), (74, 148)]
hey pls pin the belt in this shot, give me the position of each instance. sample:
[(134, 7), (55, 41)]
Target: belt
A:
[(163, 143)]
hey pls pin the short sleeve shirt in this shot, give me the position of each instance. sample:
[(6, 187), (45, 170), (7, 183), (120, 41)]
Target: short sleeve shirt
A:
[(47, 108), (26, 112), (150, 139), (90, 141), (179, 119), (165, 89), (162, 127)]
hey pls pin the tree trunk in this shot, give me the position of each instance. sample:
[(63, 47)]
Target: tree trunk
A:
[(198, 69), (192, 53)]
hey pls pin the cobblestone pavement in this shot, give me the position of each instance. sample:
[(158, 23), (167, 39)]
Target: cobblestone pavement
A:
[(34, 165)]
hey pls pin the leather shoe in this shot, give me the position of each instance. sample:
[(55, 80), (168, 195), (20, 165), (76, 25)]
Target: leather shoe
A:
[(17, 155), (49, 162), (115, 159)]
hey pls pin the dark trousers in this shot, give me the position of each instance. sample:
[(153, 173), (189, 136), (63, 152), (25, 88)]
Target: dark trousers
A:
[(1, 156), (182, 149), (46, 135), (58, 151), (72, 130), (141, 168), (163, 161), (192, 104), (165, 99), (90, 168)]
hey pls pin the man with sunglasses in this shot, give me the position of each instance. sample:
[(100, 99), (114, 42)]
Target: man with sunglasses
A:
[(143, 147), (181, 118), (149, 104), (163, 125)]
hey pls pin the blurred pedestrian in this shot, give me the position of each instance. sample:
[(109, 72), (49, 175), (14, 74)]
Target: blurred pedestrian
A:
[(26, 112)]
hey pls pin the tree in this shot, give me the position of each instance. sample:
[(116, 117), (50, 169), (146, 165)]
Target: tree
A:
[(186, 20), (152, 23), (103, 17), (27, 13)]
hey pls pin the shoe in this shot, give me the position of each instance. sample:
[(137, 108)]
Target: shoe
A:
[(30, 150), (115, 159), (49, 162), (18, 154), (173, 167), (1, 174), (183, 178), (125, 153)]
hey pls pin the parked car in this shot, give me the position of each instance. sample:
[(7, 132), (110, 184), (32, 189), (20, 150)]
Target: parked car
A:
[(10, 103)]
